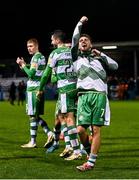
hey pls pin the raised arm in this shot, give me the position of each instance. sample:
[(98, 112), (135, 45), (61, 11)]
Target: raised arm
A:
[(76, 37)]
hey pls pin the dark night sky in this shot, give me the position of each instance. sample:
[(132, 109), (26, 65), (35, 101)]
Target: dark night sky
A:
[(109, 20)]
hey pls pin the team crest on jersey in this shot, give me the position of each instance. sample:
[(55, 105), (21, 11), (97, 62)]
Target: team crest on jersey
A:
[(81, 117), (33, 65)]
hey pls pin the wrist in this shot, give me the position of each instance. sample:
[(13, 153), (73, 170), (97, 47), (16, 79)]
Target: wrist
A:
[(40, 92), (23, 65)]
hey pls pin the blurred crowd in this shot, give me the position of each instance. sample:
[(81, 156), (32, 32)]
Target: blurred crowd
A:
[(118, 89), (15, 92), (123, 88)]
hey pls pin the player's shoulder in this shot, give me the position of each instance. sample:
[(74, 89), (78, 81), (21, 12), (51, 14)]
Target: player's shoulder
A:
[(61, 50), (54, 53), (38, 55)]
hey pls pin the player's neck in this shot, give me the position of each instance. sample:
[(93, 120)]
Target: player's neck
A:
[(61, 45)]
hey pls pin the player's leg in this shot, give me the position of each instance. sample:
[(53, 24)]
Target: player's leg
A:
[(97, 107), (67, 150), (31, 111), (73, 135), (57, 131)]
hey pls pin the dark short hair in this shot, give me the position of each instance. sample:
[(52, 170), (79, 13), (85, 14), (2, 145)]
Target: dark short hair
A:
[(87, 36), (59, 34)]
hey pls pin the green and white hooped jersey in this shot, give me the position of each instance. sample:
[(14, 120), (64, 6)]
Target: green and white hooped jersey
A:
[(60, 61), (91, 74), (90, 69), (38, 62)]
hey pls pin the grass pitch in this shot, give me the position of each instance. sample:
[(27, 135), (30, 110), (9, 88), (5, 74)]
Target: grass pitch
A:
[(118, 157)]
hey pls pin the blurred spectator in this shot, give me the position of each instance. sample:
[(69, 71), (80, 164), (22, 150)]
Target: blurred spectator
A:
[(122, 90), (131, 88), (12, 93), (137, 86), (21, 90), (1, 93), (113, 87)]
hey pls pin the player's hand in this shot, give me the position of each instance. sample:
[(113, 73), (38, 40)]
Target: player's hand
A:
[(20, 62), (39, 94), (83, 19), (96, 52)]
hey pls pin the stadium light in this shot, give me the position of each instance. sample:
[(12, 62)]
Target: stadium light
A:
[(109, 47)]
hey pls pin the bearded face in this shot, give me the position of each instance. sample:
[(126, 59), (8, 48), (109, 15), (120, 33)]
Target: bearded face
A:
[(84, 44)]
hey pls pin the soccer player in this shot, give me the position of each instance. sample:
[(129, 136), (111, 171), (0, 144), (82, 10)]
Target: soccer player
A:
[(35, 107), (59, 127), (93, 106), (60, 61)]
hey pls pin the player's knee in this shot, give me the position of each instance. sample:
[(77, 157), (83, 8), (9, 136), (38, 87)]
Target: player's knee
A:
[(81, 129)]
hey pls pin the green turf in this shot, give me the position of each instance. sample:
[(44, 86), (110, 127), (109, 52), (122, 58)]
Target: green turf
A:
[(118, 157)]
